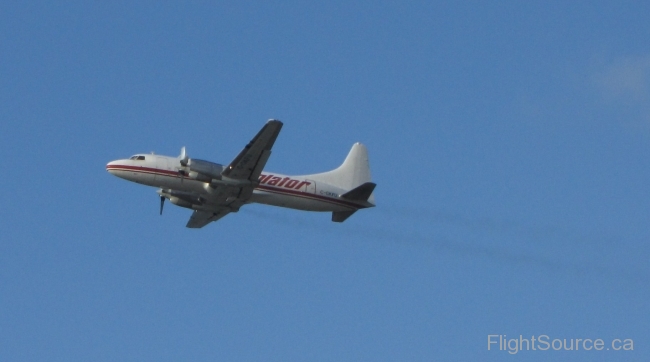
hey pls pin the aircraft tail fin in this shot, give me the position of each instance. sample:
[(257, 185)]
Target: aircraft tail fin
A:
[(354, 171)]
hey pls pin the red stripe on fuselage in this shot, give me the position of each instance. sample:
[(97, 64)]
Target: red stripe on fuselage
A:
[(142, 169)]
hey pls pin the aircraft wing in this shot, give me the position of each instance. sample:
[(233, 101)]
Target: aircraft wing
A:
[(247, 166), (251, 160), (201, 218)]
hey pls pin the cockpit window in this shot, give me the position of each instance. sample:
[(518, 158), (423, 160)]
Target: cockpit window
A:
[(139, 158)]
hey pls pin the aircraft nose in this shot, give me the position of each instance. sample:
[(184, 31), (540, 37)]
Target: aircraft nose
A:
[(110, 167)]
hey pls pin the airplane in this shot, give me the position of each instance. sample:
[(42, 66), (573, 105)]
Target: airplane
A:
[(213, 190)]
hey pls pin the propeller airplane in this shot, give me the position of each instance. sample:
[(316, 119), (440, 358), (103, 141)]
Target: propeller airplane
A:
[(213, 190)]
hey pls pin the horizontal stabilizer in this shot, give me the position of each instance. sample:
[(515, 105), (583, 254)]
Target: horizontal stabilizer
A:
[(360, 193), (340, 216)]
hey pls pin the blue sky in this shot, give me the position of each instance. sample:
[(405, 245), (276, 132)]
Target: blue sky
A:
[(510, 144)]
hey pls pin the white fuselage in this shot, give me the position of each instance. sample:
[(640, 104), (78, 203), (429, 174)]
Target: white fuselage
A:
[(296, 192)]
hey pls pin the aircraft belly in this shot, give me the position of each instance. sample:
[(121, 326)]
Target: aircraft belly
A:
[(299, 202)]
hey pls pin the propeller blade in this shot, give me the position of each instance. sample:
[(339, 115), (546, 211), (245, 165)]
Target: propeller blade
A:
[(162, 203), (183, 157)]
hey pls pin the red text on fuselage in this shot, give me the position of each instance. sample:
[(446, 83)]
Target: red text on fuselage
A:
[(286, 182)]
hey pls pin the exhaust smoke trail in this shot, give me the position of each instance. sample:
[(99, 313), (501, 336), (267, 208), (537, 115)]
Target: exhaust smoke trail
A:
[(391, 233)]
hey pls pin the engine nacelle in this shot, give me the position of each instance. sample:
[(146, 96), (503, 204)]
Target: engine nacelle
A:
[(199, 177), (205, 170), (178, 202), (208, 187)]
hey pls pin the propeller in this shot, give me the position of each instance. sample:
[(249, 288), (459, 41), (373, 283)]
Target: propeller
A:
[(182, 173), (183, 160), (183, 157), (162, 203)]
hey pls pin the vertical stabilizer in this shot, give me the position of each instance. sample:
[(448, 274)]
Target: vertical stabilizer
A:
[(354, 171)]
